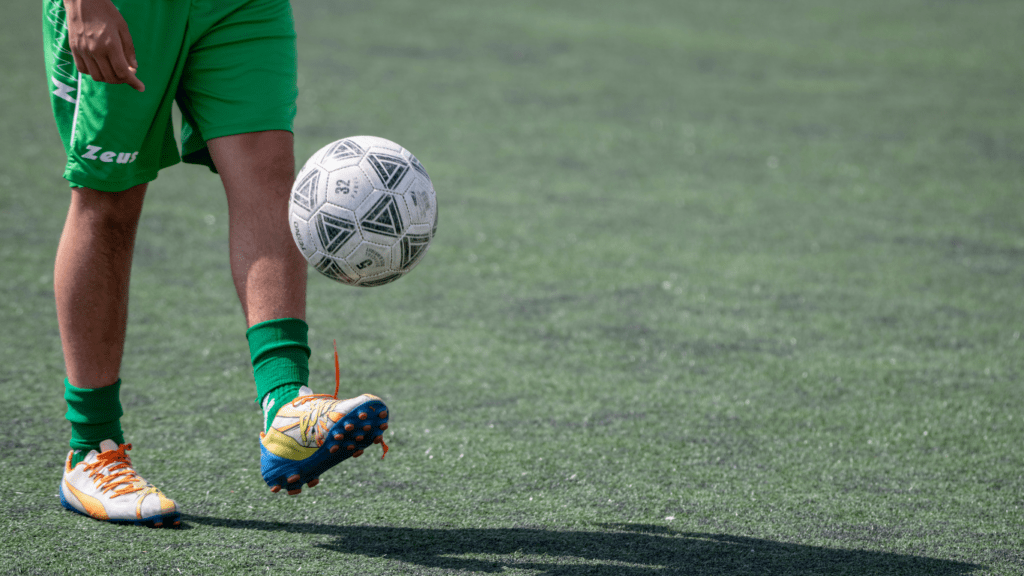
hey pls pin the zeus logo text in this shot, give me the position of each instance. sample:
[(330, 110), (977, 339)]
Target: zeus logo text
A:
[(97, 153)]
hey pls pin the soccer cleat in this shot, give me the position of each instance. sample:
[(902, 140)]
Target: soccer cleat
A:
[(104, 486), (314, 432)]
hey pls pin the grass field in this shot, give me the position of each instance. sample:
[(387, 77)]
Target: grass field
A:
[(720, 287)]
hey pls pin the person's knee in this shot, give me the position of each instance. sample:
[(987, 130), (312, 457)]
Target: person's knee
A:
[(260, 164), (278, 174), (115, 212)]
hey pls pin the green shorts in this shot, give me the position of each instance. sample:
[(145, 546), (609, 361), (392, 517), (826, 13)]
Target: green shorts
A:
[(229, 64)]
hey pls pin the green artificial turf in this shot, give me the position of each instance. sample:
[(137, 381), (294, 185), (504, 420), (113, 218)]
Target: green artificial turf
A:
[(719, 287)]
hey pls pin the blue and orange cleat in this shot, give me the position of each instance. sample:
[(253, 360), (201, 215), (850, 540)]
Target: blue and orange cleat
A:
[(314, 432), (104, 486)]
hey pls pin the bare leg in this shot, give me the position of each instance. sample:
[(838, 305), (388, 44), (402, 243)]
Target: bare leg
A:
[(269, 272), (90, 281)]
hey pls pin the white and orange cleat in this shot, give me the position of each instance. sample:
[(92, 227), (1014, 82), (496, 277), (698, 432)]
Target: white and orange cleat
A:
[(104, 486), (316, 431)]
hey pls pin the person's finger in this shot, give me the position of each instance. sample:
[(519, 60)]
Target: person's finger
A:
[(134, 82), (89, 67), (80, 64), (106, 72), (124, 71), (129, 47)]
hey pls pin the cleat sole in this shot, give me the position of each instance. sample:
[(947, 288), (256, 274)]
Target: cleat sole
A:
[(158, 521)]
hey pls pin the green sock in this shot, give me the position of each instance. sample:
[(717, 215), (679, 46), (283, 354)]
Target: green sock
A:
[(280, 363), (95, 416)]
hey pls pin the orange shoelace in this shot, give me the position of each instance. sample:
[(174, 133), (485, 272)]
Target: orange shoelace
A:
[(311, 420), (119, 471)]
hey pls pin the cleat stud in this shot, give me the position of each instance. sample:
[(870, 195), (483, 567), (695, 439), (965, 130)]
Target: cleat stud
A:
[(383, 426), (335, 448), (339, 436), (350, 447), (294, 478), (313, 482), (294, 492), (378, 439), (349, 427), (362, 415), (383, 414), (157, 524), (359, 438), (275, 489), (357, 453), (366, 428), (177, 522)]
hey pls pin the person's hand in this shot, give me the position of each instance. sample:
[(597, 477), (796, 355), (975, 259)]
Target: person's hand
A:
[(100, 43)]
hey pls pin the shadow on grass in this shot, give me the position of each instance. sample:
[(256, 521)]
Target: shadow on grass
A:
[(621, 550)]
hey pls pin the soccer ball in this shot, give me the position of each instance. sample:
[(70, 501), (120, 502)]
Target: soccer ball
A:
[(363, 211)]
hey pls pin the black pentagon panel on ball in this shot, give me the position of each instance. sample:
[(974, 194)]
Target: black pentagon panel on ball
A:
[(331, 269), (304, 193), (380, 281), (413, 246), (345, 149), (389, 168), (384, 217), (333, 231)]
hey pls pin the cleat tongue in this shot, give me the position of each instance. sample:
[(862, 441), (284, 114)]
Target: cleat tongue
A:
[(108, 445)]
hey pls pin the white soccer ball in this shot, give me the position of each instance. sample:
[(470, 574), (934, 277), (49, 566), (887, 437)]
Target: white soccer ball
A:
[(363, 211)]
